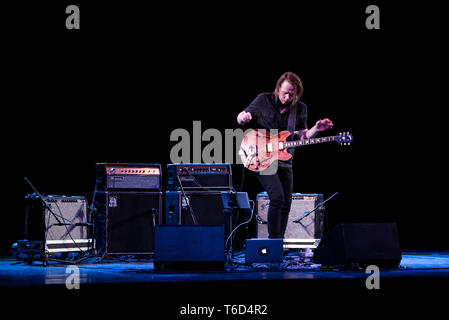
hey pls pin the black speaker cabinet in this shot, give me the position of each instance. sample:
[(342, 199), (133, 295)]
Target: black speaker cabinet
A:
[(124, 221), (206, 206), (189, 247), (361, 243)]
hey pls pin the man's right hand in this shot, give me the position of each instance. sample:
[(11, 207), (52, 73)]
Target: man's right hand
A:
[(244, 117)]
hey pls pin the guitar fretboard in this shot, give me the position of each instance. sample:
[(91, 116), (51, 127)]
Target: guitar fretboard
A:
[(304, 142)]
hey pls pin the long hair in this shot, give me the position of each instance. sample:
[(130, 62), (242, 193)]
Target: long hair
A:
[(294, 80)]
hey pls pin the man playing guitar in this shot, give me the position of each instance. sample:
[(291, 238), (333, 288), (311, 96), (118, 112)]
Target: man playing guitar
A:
[(281, 110)]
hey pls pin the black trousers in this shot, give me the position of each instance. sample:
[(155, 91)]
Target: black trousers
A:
[(279, 187)]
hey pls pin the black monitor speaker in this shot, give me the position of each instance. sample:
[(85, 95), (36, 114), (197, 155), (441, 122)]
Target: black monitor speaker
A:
[(360, 243)]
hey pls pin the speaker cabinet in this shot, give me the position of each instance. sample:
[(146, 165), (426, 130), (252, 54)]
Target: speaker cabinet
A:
[(189, 247), (124, 221), (307, 232), (360, 243), (58, 223)]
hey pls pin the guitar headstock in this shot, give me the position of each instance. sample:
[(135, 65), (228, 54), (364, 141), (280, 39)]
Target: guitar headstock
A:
[(344, 138)]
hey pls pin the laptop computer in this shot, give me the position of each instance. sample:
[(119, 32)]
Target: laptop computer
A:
[(264, 250)]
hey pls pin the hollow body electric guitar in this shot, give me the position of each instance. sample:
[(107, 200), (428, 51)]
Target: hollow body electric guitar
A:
[(258, 149)]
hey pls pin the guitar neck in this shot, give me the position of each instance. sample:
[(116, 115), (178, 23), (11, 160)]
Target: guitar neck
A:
[(306, 142)]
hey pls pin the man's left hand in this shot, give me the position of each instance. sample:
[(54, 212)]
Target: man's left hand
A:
[(324, 124)]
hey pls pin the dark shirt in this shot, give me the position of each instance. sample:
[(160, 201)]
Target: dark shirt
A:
[(265, 112)]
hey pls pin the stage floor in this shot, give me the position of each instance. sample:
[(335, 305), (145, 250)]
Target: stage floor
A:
[(420, 273)]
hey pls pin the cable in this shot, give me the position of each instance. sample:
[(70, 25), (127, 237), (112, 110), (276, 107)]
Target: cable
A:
[(90, 221), (43, 201), (108, 226), (248, 221), (106, 232), (192, 214), (241, 190), (90, 214), (106, 229)]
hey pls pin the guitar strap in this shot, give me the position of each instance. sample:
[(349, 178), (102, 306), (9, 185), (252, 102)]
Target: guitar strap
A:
[(291, 125), (292, 120)]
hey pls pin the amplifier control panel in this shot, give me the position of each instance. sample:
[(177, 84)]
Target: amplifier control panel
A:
[(133, 170), (187, 169)]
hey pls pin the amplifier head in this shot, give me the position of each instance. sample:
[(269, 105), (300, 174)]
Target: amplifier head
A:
[(128, 176), (199, 176)]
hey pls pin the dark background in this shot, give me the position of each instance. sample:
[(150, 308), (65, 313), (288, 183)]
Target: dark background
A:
[(114, 90)]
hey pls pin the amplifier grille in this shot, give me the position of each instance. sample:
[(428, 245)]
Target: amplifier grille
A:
[(310, 227)]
